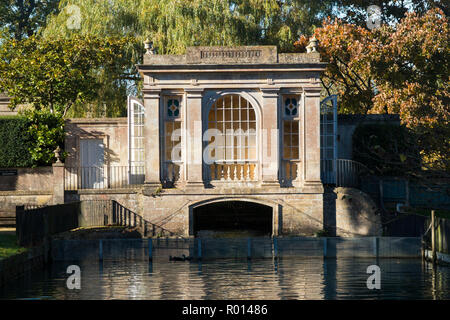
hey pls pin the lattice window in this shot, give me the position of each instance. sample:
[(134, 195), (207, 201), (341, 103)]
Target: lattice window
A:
[(136, 114), (235, 118), (172, 141), (290, 140), (291, 128)]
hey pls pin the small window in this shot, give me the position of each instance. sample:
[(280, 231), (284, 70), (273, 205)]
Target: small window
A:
[(291, 107), (173, 108)]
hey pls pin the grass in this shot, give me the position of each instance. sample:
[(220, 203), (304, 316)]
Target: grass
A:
[(8, 245)]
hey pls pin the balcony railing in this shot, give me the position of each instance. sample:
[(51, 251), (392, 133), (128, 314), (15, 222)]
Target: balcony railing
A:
[(288, 172), (171, 173), (233, 171), (102, 177), (342, 172)]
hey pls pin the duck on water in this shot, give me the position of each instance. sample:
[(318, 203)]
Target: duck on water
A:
[(182, 258)]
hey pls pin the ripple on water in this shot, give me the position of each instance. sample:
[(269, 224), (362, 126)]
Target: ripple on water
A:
[(294, 278)]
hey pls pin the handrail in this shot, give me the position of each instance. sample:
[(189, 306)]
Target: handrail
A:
[(125, 217), (342, 172)]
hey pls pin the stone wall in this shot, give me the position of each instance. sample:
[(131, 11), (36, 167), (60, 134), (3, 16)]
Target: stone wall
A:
[(113, 132), (356, 214), (31, 186), (293, 213), (28, 179)]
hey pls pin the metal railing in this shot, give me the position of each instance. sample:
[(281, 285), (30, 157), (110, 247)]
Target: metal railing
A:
[(102, 177), (123, 216), (342, 172)]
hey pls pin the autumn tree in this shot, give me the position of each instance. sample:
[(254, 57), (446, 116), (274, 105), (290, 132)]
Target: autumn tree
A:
[(401, 69), (412, 72), (391, 11)]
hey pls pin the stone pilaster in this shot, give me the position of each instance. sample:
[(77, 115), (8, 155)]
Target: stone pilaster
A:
[(58, 183), (310, 135), (194, 144), (270, 137), (152, 137)]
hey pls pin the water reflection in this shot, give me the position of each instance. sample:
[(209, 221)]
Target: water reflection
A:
[(294, 278)]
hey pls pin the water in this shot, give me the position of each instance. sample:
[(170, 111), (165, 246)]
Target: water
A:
[(290, 278)]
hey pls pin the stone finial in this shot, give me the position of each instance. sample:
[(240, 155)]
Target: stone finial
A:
[(57, 153), (148, 45), (312, 46)]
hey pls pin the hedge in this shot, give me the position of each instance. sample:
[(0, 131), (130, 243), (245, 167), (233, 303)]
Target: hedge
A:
[(386, 149), (14, 142)]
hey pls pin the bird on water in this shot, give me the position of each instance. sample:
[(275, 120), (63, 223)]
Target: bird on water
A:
[(182, 258)]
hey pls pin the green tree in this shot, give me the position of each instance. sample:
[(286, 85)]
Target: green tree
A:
[(56, 74), (22, 18), (46, 132), (174, 25)]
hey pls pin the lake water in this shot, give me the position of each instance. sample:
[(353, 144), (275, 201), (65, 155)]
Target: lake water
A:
[(290, 278)]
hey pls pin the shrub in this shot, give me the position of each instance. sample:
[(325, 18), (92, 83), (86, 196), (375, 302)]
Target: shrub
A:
[(14, 142), (386, 149), (46, 131)]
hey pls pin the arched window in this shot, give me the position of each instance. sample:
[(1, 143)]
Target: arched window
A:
[(232, 144)]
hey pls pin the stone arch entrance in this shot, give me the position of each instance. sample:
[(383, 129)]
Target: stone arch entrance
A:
[(232, 218)]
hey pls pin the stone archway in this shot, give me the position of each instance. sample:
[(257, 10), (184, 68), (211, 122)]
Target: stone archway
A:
[(232, 218)]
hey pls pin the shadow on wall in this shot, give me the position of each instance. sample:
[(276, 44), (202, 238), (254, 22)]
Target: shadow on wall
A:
[(74, 133), (349, 212)]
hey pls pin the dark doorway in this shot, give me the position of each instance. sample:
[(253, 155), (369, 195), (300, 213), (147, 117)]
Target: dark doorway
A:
[(233, 218)]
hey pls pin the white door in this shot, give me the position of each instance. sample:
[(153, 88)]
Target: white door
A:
[(92, 163)]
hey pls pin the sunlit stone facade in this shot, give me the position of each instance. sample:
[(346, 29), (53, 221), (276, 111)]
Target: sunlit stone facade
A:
[(233, 123)]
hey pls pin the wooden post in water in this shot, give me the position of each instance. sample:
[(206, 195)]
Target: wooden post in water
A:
[(275, 247), (100, 250), (433, 238), (249, 249), (199, 249), (150, 249), (375, 247), (325, 248)]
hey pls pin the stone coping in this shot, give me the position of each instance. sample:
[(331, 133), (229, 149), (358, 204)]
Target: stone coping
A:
[(27, 193), (240, 191), (237, 56), (228, 191), (121, 120), (104, 191)]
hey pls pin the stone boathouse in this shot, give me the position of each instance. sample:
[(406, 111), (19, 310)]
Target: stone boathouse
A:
[(225, 138)]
